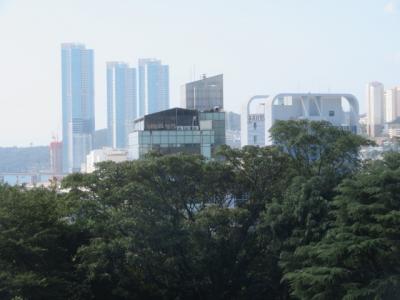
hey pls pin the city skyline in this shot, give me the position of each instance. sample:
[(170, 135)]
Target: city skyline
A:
[(262, 47)]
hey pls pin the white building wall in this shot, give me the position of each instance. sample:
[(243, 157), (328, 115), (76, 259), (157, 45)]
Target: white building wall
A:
[(315, 107), (375, 108), (392, 104), (292, 106), (252, 121), (101, 155)]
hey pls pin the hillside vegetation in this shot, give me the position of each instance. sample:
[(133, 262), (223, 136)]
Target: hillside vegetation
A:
[(28, 159)]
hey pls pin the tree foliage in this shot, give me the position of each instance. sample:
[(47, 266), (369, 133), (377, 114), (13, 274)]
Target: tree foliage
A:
[(302, 219), (359, 256)]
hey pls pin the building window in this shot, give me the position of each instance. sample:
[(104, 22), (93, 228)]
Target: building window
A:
[(331, 113), (255, 125), (255, 139), (287, 100)]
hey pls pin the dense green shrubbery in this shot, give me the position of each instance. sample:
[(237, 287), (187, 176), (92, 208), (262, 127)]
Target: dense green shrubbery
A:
[(301, 220)]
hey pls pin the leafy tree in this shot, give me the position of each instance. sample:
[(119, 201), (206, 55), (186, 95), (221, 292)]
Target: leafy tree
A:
[(167, 226), (36, 246), (320, 157), (319, 148), (359, 257), (261, 223)]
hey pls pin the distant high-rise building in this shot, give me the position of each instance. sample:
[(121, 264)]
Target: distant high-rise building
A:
[(232, 129), (121, 102), (375, 108), (56, 157), (153, 86), (77, 104), (100, 138), (232, 121), (392, 104), (204, 94)]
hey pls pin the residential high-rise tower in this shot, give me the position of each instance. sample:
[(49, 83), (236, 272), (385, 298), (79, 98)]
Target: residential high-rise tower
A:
[(77, 104), (153, 86), (121, 102), (392, 104)]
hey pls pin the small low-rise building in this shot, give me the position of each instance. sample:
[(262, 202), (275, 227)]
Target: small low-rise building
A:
[(104, 154)]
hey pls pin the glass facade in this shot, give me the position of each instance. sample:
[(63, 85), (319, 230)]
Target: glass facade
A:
[(204, 95), (172, 141), (215, 120), (153, 86), (121, 103), (179, 130), (77, 105)]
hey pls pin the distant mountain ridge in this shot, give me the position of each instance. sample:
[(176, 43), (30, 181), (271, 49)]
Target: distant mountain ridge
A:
[(24, 159)]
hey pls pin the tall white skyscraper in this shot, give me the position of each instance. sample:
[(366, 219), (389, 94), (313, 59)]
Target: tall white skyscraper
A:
[(392, 104), (77, 104), (375, 108), (121, 102), (153, 86)]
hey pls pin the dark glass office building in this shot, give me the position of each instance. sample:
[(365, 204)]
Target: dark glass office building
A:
[(205, 94), (178, 130)]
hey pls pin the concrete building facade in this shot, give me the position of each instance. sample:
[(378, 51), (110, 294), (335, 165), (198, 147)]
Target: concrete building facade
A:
[(102, 155), (253, 121), (392, 104), (339, 109), (56, 160), (375, 108)]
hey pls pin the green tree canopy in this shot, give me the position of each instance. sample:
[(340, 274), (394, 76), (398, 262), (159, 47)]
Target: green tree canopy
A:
[(359, 257)]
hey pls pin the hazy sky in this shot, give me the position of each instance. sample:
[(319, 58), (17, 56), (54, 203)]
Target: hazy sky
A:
[(261, 46)]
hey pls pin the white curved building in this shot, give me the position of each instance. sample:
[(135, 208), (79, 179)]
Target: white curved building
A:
[(339, 109)]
